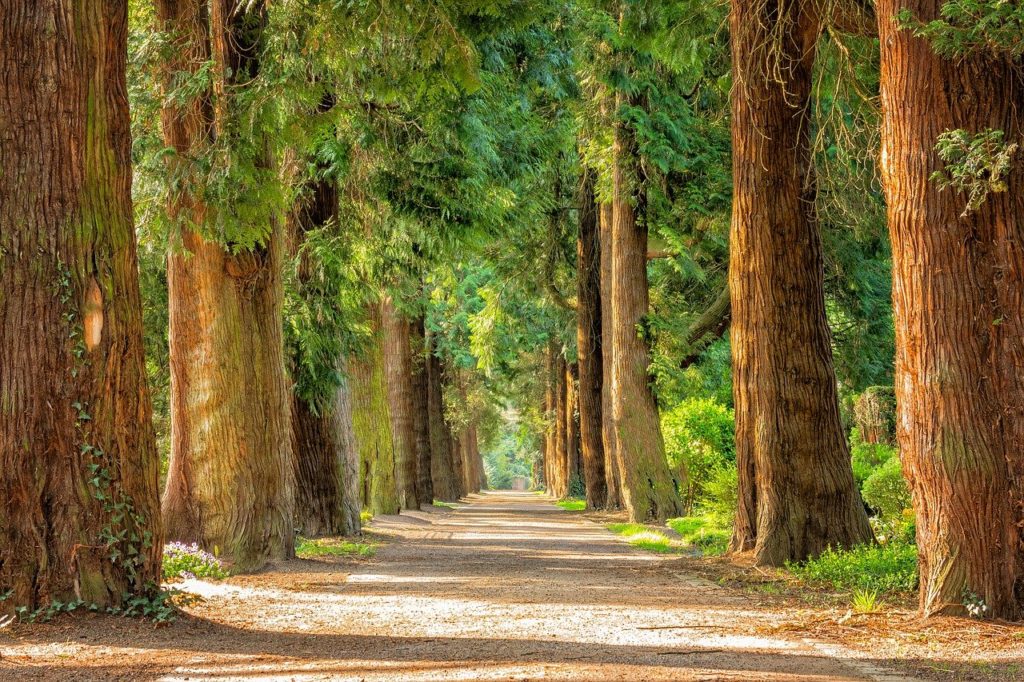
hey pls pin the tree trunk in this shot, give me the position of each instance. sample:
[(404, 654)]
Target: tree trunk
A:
[(230, 480), (648, 490), (796, 489), (588, 338), (420, 412), (78, 460), (446, 481), (611, 462), (560, 462), (959, 315), (398, 359), (371, 421)]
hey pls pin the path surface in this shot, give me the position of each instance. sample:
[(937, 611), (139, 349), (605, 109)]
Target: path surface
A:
[(507, 586)]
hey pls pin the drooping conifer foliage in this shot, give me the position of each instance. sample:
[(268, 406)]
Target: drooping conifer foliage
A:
[(359, 256)]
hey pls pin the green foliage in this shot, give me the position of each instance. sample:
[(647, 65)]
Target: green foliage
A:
[(721, 495), (865, 601), (976, 164), (189, 561), (704, 532), (333, 547), (884, 568), (699, 435), (868, 457), (995, 27)]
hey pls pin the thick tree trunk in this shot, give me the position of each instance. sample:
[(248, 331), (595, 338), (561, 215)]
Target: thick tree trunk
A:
[(958, 299), (371, 421), (446, 477), (78, 461), (648, 489), (612, 467), (420, 413), (588, 338), (230, 481), (796, 490), (398, 359)]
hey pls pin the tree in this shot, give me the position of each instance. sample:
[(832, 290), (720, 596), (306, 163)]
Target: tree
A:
[(371, 421), (230, 483), (78, 463), (648, 490), (796, 490), (957, 270), (590, 358), (399, 364), (420, 412)]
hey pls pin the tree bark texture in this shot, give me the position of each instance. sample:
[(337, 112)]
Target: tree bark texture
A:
[(446, 476), (325, 456), (371, 421), (588, 341), (796, 489), (648, 489), (958, 301), (398, 361), (76, 442), (611, 462), (230, 482), (420, 412)]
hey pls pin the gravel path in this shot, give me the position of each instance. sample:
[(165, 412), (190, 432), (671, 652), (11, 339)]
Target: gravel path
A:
[(506, 586)]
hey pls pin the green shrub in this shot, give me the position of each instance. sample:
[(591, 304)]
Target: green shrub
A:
[(884, 568), (699, 435), (702, 532), (720, 495), (866, 458)]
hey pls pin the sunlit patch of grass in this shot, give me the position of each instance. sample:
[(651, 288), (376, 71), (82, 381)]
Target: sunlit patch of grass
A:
[(311, 549), (572, 504), (702, 532), (646, 539)]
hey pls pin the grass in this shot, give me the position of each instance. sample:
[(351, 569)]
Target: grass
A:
[(572, 504), (311, 549), (702, 532), (643, 537), (881, 568)]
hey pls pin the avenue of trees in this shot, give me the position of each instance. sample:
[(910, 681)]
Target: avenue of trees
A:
[(266, 266)]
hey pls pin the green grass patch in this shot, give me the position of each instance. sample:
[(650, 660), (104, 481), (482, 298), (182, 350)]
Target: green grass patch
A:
[(311, 549), (643, 537), (572, 504), (882, 568), (702, 532)]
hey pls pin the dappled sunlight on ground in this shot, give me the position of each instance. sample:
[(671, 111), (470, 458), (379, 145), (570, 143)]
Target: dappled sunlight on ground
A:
[(505, 587)]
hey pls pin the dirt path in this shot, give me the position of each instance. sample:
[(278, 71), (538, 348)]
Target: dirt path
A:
[(507, 586)]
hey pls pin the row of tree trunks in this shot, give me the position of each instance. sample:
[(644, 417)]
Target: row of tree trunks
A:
[(230, 482), (399, 362), (588, 337), (648, 490), (796, 490), (959, 312), (371, 421), (72, 378)]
